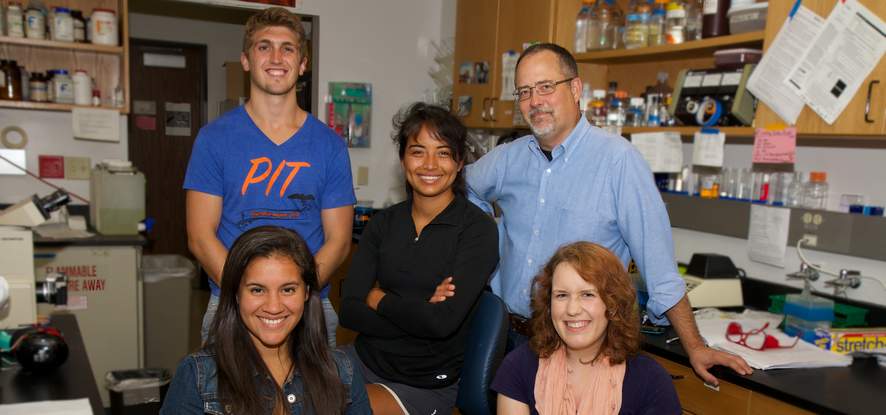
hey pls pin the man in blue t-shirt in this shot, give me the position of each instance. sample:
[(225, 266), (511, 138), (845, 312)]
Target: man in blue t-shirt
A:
[(269, 162)]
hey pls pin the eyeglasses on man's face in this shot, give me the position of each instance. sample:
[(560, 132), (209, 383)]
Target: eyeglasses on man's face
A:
[(541, 88)]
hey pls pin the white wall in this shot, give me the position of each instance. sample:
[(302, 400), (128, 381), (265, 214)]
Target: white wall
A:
[(855, 171), (50, 133), (385, 43)]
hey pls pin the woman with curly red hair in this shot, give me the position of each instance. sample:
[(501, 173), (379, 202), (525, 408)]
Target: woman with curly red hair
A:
[(582, 357)]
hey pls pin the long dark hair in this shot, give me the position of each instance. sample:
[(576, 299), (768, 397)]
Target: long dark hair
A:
[(441, 125), (236, 356)]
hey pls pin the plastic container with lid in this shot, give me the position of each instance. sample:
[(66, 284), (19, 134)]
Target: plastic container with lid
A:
[(637, 30), (62, 25), (63, 87), (657, 24), (15, 26), (103, 27), (747, 18), (808, 316), (35, 24), (736, 58), (815, 191)]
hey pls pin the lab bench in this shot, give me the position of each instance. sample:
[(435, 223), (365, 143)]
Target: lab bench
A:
[(104, 293), (856, 390)]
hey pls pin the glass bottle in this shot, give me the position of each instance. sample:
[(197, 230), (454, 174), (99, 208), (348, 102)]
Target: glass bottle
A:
[(618, 26), (615, 114), (714, 18), (13, 90), (815, 192)]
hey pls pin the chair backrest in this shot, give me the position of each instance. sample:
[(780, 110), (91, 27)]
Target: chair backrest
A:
[(484, 351)]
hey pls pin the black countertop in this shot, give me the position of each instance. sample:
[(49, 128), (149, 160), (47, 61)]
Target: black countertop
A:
[(95, 240), (72, 380), (857, 389)]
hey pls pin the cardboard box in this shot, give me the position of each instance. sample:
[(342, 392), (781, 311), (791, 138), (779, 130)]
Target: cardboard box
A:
[(236, 81)]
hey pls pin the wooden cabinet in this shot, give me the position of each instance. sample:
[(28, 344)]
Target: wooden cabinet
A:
[(852, 119), (485, 30), (727, 399), (636, 68), (107, 65)]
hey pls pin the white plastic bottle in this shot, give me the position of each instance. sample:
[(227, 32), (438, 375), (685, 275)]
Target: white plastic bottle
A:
[(82, 88)]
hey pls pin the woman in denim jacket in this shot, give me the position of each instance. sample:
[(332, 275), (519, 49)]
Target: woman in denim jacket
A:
[(267, 350)]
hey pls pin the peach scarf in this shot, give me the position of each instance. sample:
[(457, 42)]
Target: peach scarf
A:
[(555, 396)]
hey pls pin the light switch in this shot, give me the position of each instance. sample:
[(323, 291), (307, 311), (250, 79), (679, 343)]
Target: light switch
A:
[(77, 168), (362, 176)]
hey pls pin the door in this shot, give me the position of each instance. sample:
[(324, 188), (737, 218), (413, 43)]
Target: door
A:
[(168, 88), (866, 112), (520, 22), (475, 34)]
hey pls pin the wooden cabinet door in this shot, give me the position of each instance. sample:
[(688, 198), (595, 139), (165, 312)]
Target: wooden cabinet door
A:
[(476, 28), (519, 22), (852, 120)]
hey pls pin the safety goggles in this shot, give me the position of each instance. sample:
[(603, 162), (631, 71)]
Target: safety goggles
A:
[(756, 339)]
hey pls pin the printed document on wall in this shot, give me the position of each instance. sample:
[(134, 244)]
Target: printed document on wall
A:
[(786, 50), (768, 234), (663, 151), (707, 149), (845, 52)]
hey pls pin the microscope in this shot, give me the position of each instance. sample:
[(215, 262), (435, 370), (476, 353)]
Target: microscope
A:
[(19, 292)]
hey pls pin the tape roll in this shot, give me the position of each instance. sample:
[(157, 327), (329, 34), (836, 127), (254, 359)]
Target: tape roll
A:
[(21, 143), (712, 107)]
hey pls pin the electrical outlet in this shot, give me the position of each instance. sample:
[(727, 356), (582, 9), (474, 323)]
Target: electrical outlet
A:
[(362, 176), (77, 168), (811, 240)]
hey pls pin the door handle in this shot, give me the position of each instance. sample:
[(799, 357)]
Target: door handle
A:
[(492, 109), (484, 114), (867, 102)]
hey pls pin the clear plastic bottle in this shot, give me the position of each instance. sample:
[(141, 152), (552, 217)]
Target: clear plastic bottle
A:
[(693, 19), (794, 191), (618, 26), (815, 191), (605, 22), (615, 115), (586, 96), (593, 36), (657, 23), (581, 29)]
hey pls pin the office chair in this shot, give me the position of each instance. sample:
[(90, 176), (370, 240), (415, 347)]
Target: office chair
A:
[(485, 350)]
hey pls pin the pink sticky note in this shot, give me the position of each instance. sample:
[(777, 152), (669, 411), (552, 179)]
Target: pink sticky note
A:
[(775, 146)]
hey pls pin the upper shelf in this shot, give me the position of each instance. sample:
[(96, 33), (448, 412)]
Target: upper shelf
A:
[(52, 44), (688, 50)]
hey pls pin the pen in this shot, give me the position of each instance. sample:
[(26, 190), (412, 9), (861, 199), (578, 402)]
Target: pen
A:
[(672, 339)]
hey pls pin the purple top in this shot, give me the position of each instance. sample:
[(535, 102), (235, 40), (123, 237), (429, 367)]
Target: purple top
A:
[(647, 387)]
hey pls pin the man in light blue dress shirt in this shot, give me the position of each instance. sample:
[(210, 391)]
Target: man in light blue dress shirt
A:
[(570, 181)]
